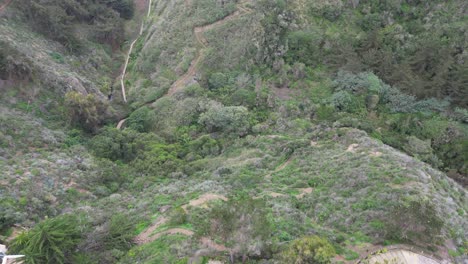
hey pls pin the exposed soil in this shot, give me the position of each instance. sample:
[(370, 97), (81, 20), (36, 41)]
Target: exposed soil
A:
[(191, 72), (147, 235), (184, 79), (213, 245), (304, 191), (204, 199), (281, 167)]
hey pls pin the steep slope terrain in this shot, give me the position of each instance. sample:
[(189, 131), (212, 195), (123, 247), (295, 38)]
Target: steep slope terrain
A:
[(247, 131)]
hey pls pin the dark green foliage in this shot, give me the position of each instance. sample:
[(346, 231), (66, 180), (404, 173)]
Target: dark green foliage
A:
[(305, 47), (206, 146), (8, 213), (13, 65), (217, 80), (115, 144), (233, 120), (85, 111), (120, 233), (50, 241), (140, 119), (275, 24)]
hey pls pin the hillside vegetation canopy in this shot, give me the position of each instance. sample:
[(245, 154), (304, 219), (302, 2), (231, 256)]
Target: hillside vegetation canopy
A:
[(269, 131)]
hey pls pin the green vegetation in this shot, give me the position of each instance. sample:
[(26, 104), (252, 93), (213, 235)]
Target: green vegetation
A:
[(305, 131), (51, 241), (59, 19), (311, 249)]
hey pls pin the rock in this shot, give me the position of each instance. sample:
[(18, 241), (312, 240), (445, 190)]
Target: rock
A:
[(75, 85)]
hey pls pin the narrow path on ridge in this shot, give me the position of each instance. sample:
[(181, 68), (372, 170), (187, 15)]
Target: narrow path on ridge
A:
[(199, 31), (127, 59)]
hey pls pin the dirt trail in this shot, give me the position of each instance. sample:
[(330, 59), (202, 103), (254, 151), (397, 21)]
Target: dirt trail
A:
[(120, 124), (207, 242), (199, 31), (202, 200), (127, 59), (5, 5), (147, 235), (280, 167)]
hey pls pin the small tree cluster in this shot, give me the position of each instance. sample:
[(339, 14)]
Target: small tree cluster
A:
[(309, 249), (233, 120), (85, 110)]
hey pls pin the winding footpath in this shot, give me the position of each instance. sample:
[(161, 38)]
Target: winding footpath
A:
[(127, 59), (202, 41)]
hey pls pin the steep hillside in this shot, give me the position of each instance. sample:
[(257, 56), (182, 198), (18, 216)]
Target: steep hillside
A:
[(252, 131)]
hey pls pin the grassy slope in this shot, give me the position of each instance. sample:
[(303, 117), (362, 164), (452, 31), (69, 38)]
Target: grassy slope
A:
[(354, 187)]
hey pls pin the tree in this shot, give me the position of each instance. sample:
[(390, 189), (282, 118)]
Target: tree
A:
[(51, 241), (309, 249), (228, 119), (85, 110)]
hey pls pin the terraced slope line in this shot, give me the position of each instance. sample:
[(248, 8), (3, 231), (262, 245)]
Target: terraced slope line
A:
[(124, 71), (182, 81), (280, 167), (147, 235), (203, 199), (5, 5)]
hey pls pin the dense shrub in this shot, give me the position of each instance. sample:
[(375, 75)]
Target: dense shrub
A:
[(140, 119), (119, 233), (233, 120), (344, 101), (309, 249), (115, 144), (85, 111)]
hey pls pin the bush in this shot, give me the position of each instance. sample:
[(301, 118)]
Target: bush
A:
[(120, 233), (344, 101), (309, 249), (51, 241), (217, 80), (85, 110), (414, 220), (140, 119), (397, 101), (115, 144), (228, 119), (360, 83), (178, 216)]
